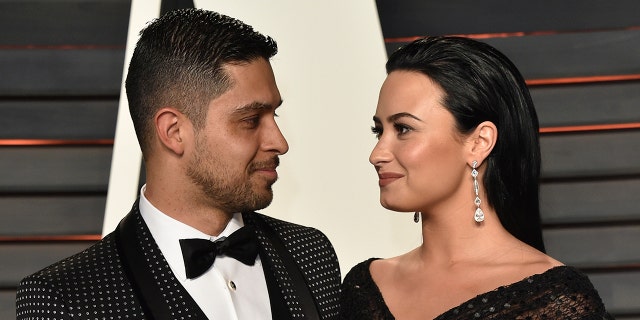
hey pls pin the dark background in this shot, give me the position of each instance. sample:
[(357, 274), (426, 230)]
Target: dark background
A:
[(60, 71)]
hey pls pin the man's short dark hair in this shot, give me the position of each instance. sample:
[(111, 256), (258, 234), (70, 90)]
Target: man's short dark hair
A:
[(179, 59)]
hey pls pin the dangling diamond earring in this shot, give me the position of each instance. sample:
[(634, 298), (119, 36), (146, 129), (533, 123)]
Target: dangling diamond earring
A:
[(479, 215), (416, 217)]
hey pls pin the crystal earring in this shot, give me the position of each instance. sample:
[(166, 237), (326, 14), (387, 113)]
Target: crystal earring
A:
[(479, 215), (416, 217)]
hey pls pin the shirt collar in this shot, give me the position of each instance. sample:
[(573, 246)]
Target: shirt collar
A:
[(167, 232)]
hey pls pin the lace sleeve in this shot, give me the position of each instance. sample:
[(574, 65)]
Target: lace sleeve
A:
[(360, 297), (560, 293), (567, 294), (576, 306)]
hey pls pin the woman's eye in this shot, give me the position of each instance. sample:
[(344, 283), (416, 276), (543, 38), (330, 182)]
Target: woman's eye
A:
[(376, 131), (401, 128)]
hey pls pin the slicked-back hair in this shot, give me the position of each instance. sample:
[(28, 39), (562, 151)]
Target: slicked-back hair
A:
[(482, 84), (178, 62)]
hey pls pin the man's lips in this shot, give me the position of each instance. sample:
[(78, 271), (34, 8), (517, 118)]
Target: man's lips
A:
[(268, 171), (267, 168), (386, 178)]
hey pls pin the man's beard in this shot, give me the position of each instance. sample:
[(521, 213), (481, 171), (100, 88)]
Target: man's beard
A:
[(228, 192)]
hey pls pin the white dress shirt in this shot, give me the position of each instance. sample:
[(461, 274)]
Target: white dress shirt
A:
[(230, 289)]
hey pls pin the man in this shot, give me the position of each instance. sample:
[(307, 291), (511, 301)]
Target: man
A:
[(202, 97)]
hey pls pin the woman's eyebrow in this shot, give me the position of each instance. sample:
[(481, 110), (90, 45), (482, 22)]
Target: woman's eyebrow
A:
[(397, 116)]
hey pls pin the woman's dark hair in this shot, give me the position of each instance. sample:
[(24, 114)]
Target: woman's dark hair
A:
[(179, 59), (482, 84)]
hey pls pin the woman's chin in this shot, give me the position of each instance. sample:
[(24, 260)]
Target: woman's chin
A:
[(394, 207)]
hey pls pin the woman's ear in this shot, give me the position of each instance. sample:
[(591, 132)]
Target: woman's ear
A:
[(481, 141), (170, 129)]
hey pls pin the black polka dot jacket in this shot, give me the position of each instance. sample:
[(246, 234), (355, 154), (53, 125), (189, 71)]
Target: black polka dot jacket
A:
[(93, 284)]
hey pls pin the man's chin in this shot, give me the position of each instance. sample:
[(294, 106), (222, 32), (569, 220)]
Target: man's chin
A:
[(263, 200)]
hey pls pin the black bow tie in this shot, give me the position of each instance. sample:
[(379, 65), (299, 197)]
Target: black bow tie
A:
[(199, 254)]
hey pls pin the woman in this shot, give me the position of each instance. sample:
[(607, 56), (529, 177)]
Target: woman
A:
[(458, 144)]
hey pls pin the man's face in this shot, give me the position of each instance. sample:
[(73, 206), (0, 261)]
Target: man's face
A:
[(236, 153)]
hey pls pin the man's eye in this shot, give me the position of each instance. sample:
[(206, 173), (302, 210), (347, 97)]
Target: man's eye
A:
[(252, 121)]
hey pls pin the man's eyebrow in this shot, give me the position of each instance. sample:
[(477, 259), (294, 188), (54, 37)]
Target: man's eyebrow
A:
[(397, 116), (256, 106)]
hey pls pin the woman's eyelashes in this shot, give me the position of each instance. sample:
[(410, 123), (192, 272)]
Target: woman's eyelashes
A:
[(377, 131), (400, 129)]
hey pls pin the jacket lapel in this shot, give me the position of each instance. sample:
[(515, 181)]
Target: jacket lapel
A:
[(292, 284), (279, 283), (157, 287)]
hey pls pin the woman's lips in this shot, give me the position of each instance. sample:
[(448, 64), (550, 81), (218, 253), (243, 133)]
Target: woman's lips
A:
[(385, 178)]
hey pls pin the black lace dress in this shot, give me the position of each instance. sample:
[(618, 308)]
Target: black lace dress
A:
[(559, 293)]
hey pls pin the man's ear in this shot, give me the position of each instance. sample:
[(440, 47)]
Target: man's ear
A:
[(481, 141), (170, 126)]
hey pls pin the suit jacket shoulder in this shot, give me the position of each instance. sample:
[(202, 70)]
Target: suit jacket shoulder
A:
[(74, 287), (94, 283)]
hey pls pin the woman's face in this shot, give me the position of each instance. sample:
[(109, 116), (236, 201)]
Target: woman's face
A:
[(419, 156)]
